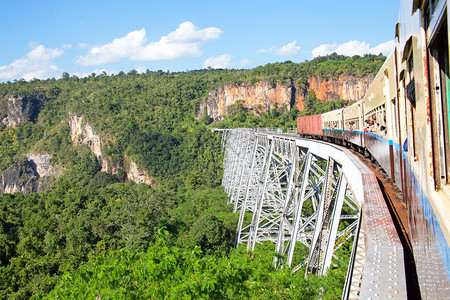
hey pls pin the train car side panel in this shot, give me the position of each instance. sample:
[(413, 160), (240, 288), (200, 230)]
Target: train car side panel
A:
[(425, 134), (300, 125), (376, 138), (353, 127), (310, 125), (316, 124), (332, 124)]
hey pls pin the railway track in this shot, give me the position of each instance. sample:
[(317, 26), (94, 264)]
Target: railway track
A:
[(397, 208)]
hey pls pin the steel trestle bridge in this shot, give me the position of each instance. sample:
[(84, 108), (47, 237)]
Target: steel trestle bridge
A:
[(312, 197)]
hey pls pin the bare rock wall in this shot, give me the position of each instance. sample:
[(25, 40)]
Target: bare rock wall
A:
[(263, 96)]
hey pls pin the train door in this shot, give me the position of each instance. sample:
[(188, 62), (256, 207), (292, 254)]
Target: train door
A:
[(390, 122), (399, 117), (438, 59), (408, 96), (361, 123)]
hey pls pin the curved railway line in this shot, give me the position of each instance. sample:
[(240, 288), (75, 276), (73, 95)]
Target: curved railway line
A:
[(397, 208)]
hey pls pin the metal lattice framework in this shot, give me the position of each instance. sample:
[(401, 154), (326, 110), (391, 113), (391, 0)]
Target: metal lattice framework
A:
[(286, 194), (312, 195)]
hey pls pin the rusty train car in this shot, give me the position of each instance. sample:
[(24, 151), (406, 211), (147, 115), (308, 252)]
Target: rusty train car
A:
[(403, 122)]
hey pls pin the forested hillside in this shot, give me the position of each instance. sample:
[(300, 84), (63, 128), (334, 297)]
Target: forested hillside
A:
[(91, 231)]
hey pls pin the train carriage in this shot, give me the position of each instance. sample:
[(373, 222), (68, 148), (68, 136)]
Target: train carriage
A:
[(333, 124), (423, 76), (310, 125), (354, 124), (377, 124)]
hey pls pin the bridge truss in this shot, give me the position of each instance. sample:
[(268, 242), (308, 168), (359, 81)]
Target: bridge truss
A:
[(303, 195)]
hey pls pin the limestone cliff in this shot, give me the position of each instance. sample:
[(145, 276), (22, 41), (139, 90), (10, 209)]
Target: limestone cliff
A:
[(20, 109), (19, 178), (138, 176), (263, 96), (30, 174), (343, 87), (43, 166), (82, 132)]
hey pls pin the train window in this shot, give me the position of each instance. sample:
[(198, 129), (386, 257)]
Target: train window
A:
[(439, 89), (410, 87), (352, 124), (394, 102), (428, 12), (411, 96), (376, 120)]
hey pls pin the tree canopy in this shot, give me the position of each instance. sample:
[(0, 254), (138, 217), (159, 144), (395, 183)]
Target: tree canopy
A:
[(93, 233)]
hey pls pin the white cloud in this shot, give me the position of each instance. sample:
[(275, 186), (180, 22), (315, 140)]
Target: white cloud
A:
[(351, 48), (32, 44), (385, 48), (186, 40), (38, 63), (245, 62), (115, 51), (289, 49), (267, 50), (141, 69), (84, 46), (218, 62), (67, 46)]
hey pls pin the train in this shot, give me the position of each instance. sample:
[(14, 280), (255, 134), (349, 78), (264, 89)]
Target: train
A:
[(403, 122)]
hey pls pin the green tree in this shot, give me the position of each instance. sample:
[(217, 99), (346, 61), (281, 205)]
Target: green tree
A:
[(9, 146), (211, 235)]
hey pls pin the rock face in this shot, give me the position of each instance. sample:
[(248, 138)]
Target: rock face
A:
[(259, 97), (29, 175), (264, 96), (20, 109), (42, 165), (19, 178), (83, 133), (134, 174), (344, 87)]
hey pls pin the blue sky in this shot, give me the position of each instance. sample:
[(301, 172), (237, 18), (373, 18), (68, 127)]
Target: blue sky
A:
[(42, 39)]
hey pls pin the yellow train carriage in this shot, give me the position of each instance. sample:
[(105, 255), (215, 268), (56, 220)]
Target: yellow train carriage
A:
[(354, 123), (377, 125), (333, 124)]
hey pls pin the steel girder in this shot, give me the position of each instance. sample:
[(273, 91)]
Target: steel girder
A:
[(291, 195)]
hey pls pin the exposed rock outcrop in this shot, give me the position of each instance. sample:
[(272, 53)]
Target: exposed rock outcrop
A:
[(43, 166), (343, 87), (20, 109), (82, 132), (263, 96), (31, 174), (138, 176)]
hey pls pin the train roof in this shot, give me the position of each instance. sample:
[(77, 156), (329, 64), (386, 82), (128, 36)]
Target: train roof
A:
[(339, 110)]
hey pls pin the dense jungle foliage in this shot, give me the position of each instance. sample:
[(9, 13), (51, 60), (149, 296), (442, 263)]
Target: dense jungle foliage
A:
[(93, 234)]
